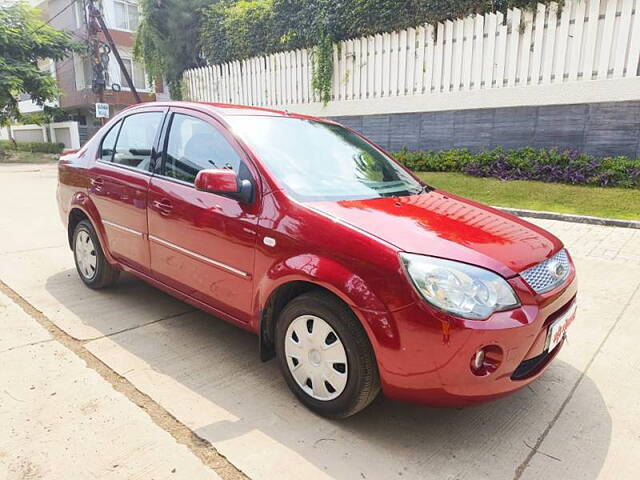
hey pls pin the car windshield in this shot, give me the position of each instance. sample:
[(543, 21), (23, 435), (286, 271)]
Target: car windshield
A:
[(321, 161)]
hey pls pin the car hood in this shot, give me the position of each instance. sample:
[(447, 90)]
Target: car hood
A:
[(446, 226)]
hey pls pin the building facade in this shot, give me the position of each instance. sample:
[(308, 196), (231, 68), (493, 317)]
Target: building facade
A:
[(74, 74)]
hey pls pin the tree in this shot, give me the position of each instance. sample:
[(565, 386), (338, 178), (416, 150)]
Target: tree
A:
[(24, 40), (167, 39), (240, 29)]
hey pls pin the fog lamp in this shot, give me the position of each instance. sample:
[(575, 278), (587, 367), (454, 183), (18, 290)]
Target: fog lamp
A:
[(478, 360)]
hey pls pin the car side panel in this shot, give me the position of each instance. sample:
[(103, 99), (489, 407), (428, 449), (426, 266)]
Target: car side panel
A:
[(307, 246), (72, 181), (203, 245), (72, 194), (120, 190), (120, 196)]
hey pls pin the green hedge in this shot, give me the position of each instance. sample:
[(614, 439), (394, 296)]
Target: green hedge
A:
[(429, 161), (546, 165), (40, 147)]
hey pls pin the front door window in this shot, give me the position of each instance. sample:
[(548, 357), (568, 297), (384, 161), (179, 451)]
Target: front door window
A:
[(194, 145)]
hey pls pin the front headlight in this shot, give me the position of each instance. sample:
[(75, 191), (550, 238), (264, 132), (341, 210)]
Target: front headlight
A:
[(458, 288)]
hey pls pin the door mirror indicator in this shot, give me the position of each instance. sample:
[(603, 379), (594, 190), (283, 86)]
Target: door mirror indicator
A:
[(224, 182)]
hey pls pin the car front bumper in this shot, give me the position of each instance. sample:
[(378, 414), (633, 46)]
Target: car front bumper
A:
[(431, 361)]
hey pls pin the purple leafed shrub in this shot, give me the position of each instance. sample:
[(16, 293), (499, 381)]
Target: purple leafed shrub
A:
[(551, 165)]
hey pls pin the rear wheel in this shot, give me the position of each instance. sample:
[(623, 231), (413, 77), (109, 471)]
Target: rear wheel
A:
[(91, 264), (325, 355)]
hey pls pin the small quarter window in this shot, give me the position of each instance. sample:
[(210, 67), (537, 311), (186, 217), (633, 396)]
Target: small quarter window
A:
[(109, 142)]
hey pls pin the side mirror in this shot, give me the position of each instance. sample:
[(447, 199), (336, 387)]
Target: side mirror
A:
[(224, 182)]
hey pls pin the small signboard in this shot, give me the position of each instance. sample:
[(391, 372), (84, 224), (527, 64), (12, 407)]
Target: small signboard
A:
[(102, 110)]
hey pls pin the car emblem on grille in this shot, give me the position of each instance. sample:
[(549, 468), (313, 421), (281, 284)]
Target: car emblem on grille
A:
[(557, 269)]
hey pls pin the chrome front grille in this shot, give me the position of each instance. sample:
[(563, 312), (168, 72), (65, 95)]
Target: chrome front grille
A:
[(549, 273)]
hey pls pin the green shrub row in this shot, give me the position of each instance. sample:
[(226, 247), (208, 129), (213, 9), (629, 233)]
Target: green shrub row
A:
[(546, 165), (40, 147)]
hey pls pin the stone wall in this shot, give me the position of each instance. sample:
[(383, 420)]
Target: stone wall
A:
[(601, 129)]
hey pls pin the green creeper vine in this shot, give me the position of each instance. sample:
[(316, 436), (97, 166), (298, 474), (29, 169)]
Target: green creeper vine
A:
[(321, 81), (175, 35)]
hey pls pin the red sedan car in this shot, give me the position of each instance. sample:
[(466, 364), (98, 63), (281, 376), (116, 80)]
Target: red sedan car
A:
[(353, 273)]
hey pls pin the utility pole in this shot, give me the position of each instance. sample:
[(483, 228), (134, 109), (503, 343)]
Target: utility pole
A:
[(101, 55), (98, 54)]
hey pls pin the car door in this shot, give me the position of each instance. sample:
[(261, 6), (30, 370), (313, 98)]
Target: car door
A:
[(120, 183), (202, 243)]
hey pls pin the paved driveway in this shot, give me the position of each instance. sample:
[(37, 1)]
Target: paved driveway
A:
[(193, 373)]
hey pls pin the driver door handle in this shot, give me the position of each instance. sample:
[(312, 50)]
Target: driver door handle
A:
[(164, 206)]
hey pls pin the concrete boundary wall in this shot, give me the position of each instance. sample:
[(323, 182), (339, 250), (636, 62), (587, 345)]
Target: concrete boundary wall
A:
[(601, 129), (62, 132), (595, 91)]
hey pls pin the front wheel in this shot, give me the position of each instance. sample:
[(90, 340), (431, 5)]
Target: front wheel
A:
[(91, 264), (325, 355)]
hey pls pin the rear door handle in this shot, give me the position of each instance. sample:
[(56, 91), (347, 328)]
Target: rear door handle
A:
[(164, 206)]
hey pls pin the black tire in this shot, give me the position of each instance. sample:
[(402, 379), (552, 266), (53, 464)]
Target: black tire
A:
[(104, 275), (363, 382)]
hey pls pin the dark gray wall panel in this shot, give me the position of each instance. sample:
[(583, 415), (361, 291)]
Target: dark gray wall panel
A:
[(405, 132), (561, 126), (437, 131), (353, 122), (473, 129), (514, 127), (377, 128), (602, 129), (613, 127)]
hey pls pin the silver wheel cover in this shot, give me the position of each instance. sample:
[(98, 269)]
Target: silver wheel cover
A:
[(316, 357), (85, 253)]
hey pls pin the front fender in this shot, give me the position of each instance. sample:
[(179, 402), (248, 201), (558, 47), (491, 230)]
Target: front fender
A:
[(342, 282)]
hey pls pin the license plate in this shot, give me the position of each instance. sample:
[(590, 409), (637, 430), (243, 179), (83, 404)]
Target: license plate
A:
[(558, 328)]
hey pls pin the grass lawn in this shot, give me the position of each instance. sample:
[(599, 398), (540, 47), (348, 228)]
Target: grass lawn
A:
[(27, 157), (553, 197)]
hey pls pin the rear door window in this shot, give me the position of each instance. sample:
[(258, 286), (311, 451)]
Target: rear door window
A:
[(136, 139)]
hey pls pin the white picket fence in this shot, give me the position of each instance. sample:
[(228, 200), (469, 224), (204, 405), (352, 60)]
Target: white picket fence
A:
[(584, 40)]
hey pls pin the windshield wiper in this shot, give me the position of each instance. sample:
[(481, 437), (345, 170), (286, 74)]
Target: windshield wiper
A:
[(407, 193)]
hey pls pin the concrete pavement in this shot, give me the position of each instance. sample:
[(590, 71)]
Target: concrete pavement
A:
[(580, 420), (61, 420)]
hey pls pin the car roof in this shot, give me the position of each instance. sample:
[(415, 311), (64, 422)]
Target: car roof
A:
[(227, 109)]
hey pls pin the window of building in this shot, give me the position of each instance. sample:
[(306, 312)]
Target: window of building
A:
[(136, 72), (126, 15)]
